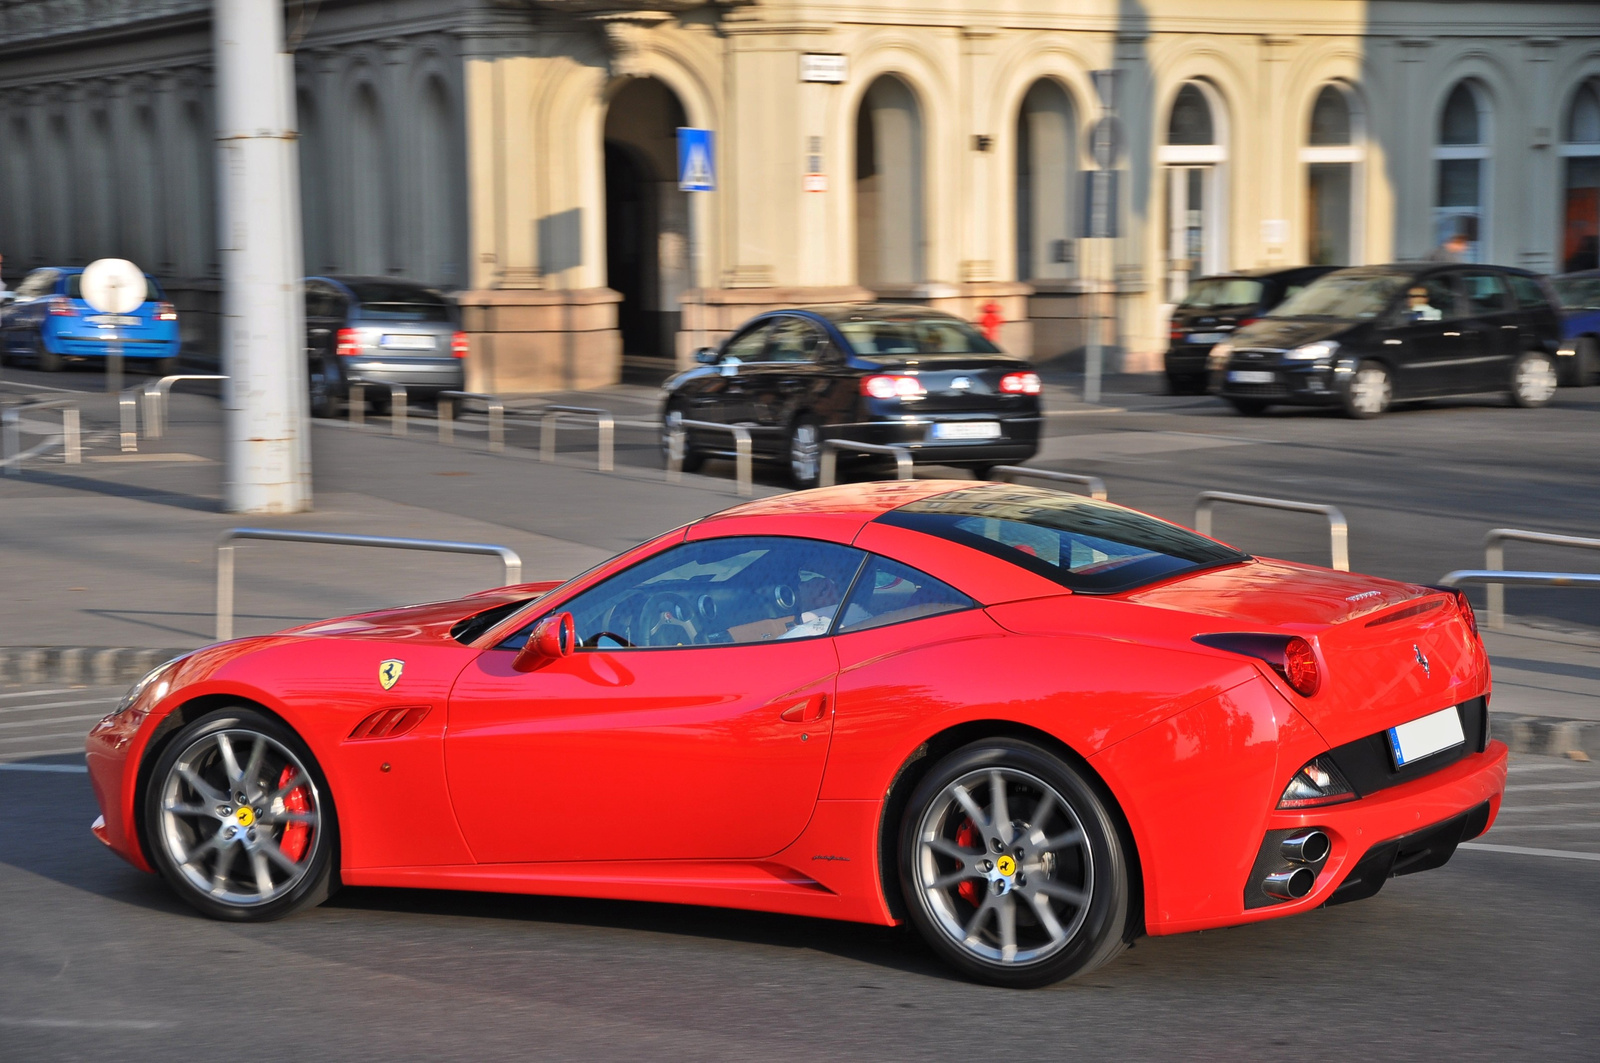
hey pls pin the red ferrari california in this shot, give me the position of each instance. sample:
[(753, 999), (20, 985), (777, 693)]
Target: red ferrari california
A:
[(1031, 724)]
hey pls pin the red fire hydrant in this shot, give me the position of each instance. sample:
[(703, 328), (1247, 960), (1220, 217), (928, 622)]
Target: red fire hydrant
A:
[(989, 321)]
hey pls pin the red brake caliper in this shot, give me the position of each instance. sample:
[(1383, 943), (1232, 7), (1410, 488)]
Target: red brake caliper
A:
[(966, 837), (295, 835)]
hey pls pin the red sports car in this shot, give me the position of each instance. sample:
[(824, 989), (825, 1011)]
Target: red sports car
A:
[(1032, 724)]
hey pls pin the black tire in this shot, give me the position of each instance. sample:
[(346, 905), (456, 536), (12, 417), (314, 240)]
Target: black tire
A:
[(692, 459), (983, 472), (1533, 380), (265, 778), (1370, 391), (1588, 359), (1185, 384), (47, 360), (1249, 407), (160, 367), (1085, 861), (804, 452)]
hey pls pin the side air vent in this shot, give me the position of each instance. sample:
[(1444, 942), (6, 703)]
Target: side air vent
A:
[(390, 723)]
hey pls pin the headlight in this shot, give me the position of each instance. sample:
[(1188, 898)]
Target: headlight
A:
[(155, 677), (1218, 358), (1314, 352)]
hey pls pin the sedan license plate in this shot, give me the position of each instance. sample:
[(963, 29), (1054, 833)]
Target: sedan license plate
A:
[(408, 343), (1251, 376), (1207, 337), (966, 430), (113, 320), (1426, 736)]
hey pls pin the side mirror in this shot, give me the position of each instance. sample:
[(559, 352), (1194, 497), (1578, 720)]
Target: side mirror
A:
[(706, 356), (553, 637)]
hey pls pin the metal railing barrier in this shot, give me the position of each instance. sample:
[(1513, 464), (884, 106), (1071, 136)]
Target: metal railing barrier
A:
[(71, 442), (606, 425), (1494, 559), (828, 475), (398, 403), (1497, 578), (493, 404), (1010, 473), (1338, 529), (678, 438), (155, 400), (128, 415), (511, 559)]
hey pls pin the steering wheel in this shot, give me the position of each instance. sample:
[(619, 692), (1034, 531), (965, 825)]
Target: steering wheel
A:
[(666, 619)]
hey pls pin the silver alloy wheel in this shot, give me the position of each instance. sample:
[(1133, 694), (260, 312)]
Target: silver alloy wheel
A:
[(804, 452), (1032, 878), (223, 822), (1371, 391), (1536, 381)]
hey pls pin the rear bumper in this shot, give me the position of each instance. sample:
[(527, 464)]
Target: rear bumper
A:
[(1018, 441), (416, 375), (74, 345), (1187, 360)]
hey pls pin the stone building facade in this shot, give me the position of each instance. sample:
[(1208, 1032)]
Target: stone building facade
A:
[(523, 153)]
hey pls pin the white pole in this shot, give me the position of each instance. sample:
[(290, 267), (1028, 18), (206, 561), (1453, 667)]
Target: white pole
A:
[(263, 320)]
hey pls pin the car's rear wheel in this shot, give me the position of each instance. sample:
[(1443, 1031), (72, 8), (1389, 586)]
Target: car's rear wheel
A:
[(1533, 380), (692, 459), (1370, 391), (163, 366), (805, 452), (1012, 868), (239, 818), (1186, 384), (47, 360)]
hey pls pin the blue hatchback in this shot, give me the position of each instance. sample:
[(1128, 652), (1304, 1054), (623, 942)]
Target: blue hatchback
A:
[(1580, 341), (48, 323)]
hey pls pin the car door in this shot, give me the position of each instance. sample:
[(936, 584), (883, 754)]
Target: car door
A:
[(787, 377), (1489, 335), (1422, 337), (693, 722), (25, 319)]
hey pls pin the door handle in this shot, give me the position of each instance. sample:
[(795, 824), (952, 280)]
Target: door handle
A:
[(1452, 333), (808, 711)]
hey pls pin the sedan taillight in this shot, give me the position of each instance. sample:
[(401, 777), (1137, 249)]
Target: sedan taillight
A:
[(459, 346), (885, 386), (166, 312), (1020, 384), (61, 306), (348, 343)]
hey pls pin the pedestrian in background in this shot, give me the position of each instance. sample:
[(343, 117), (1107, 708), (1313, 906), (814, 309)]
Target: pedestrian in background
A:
[(1452, 250)]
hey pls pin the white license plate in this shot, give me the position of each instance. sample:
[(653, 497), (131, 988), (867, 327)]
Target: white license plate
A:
[(113, 320), (966, 430), (1251, 376), (1207, 337), (1424, 737), (409, 343)]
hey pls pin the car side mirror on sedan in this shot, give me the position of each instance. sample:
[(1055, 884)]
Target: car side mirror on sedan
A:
[(706, 356), (554, 637)]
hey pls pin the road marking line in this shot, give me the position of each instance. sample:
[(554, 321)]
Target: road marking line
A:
[(1522, 850), (51, 720), (70, 769), (41, 693), (45, 738), (1555, 786), (1540, 808), (87, 1024), (59, 705), (1520, 769), (1591, 825)]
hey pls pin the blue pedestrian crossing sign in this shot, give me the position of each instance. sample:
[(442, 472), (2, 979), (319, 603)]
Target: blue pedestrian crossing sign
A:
[(696, 160)]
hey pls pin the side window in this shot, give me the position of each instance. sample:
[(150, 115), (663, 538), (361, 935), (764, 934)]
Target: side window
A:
[(717, 592), (1486, 293), (748, 345), (39, 282), (889, 592), (793, 339), (1430, 299), (1529, 293)]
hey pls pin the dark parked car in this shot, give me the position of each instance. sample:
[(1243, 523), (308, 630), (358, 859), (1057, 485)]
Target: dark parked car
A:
[(382, 331), (1366, 337), (1215, 307), (1578, 359), (870, 373)]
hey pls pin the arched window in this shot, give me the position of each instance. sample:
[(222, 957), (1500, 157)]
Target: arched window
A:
[(21, 200), (889, 182), (1046, 183), (370, 182), (1461, 205), (313, 187), (1580, 145), (1333, 154), (436, 207), (1194, 159)]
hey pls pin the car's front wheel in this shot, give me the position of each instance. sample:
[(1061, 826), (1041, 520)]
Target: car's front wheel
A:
[(239, 818), (1370, 391), (1533, 380), (1012, 868)]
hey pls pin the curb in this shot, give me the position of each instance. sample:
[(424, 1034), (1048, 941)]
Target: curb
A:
[(1546, 735), (100, 665)]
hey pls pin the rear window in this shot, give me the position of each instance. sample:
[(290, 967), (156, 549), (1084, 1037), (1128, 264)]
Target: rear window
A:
[(1086, 546), (1350, 296), (1578, 293), (152, 290), (1209, 293), (899, 336), (378, 301)]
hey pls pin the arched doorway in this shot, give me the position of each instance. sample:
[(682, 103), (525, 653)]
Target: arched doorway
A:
[(889, 187), (1462, 158), (1580, 145), (1046, 183), (1194, 157), (1333, 155), (369, 185), (647, 217)]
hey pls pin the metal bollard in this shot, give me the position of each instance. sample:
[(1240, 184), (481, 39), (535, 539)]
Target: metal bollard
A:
[(72, 439), (447, 409), (357, 404), (128, 408)]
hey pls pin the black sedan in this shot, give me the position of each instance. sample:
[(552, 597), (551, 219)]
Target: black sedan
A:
[(380, 331), (1361, 339), (1215, 307), (877, 374)]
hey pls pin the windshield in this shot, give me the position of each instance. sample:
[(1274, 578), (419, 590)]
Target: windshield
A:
[(399, 302), (1084, 545), (1349, 295), (1578, 293), (1209, 293), (152, 290), (876, 336)]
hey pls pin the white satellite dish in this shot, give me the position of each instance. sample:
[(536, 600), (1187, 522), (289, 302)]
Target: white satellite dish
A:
[(113, 286)]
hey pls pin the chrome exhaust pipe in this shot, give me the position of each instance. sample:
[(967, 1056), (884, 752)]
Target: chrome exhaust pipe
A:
[(1307, 847), (1289, 885)]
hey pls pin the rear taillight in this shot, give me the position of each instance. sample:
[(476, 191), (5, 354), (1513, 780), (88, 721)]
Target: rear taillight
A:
[(1176, 335), (166, 312), (1300, 667), (1020, 384), (348, 343), (892, 387), (61, 306), (1468, 616), (458, 345), (1291, 656), (1318, 783), (1246, 321)]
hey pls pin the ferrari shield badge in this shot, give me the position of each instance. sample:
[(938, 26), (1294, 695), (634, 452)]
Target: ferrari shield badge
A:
[(389, 673)]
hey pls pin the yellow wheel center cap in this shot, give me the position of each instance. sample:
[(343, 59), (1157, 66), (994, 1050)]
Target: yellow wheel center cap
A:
[(247, 816), (1006, 866)]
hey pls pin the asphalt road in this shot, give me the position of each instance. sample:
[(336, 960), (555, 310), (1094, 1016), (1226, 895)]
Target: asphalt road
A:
[(1490, 957)]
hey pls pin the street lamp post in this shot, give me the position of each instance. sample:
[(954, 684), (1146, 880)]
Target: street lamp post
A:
[(263, 321)]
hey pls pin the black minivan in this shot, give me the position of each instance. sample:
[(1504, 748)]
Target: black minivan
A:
[(1366, 337), (1215, 307)]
